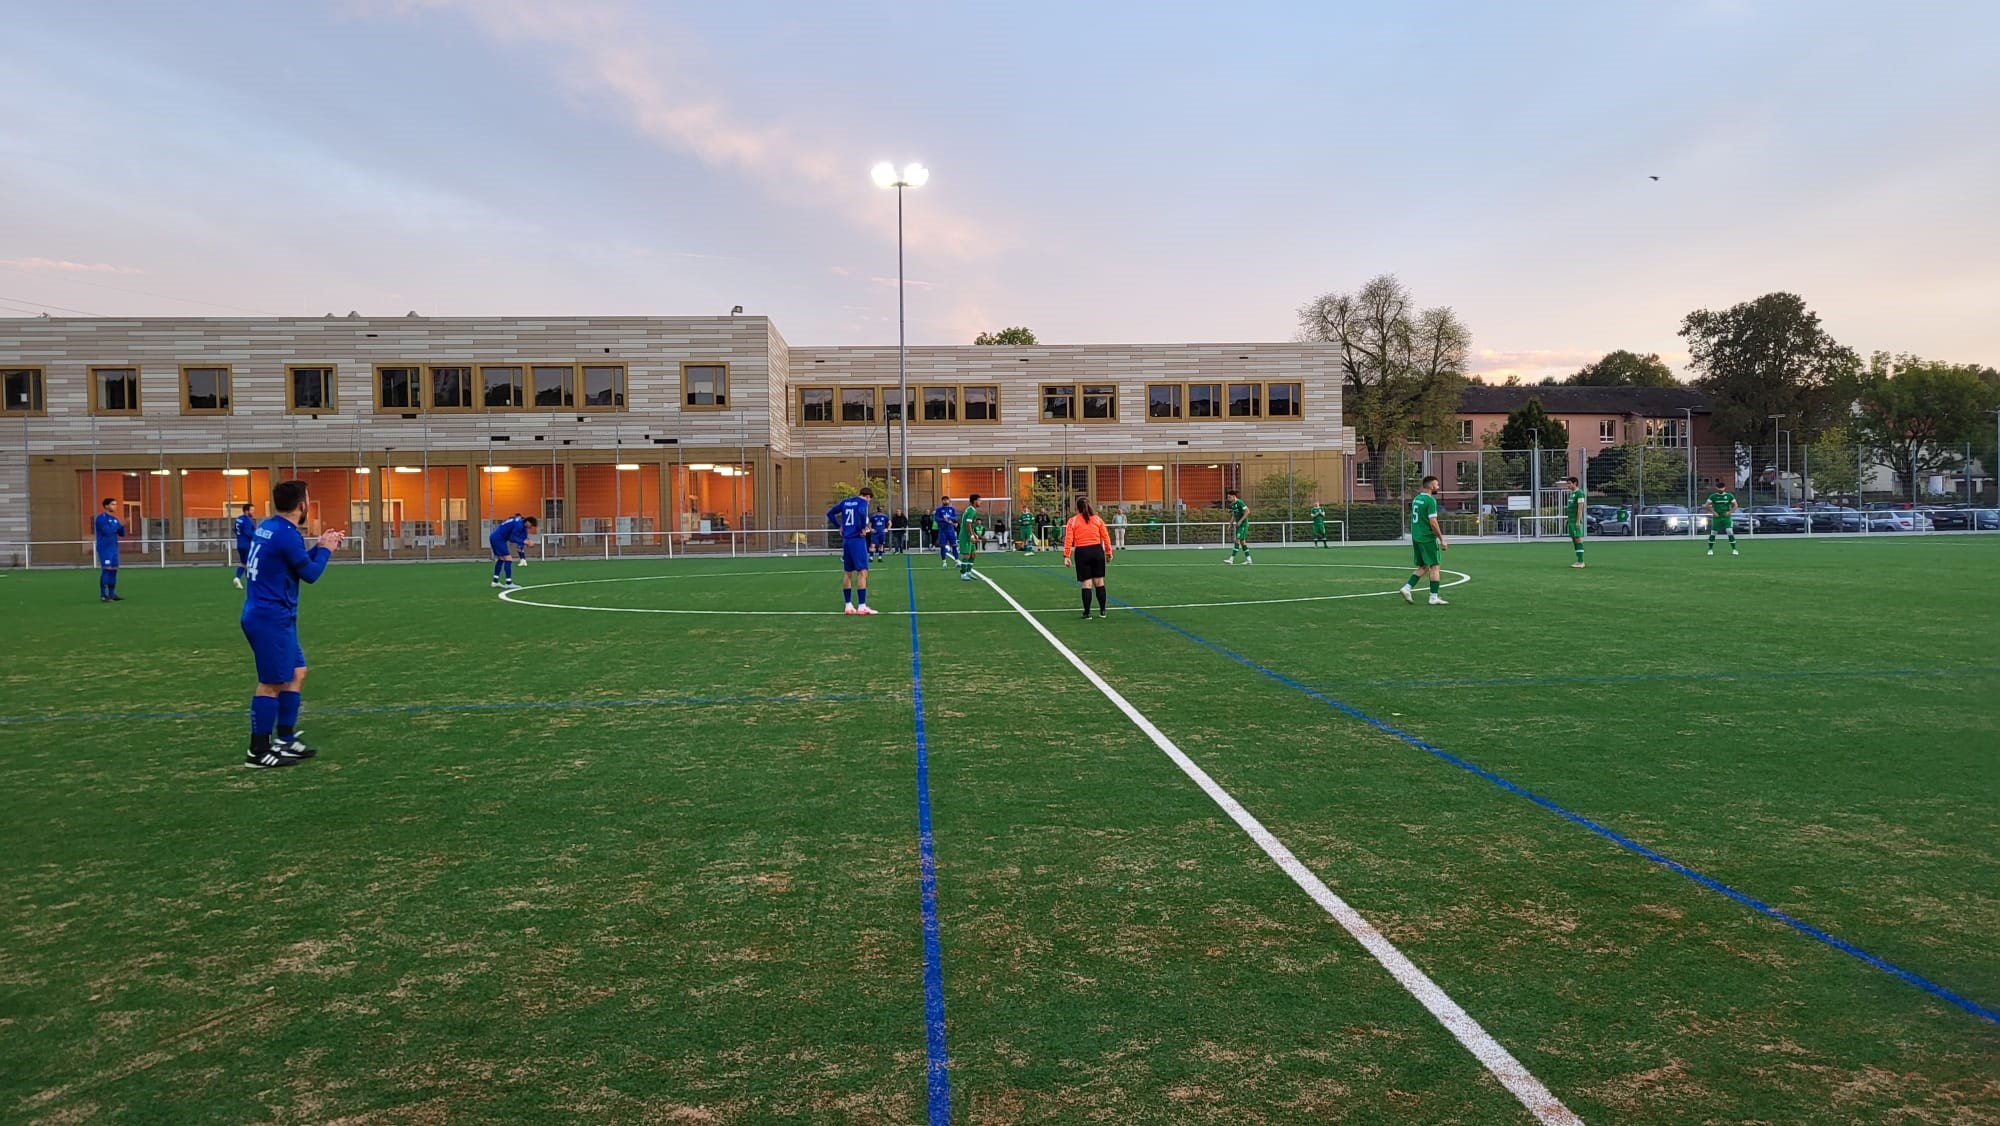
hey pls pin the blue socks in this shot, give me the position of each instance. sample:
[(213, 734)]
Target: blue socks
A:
[(496, 568), (509, 564), (263, 717), (847, 596), (861, 597), (107, 582), (288, 712)]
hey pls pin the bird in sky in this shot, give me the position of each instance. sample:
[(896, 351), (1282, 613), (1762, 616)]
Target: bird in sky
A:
[(1652, 177)]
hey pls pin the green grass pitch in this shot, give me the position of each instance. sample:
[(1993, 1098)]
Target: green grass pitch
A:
[(592, 864)]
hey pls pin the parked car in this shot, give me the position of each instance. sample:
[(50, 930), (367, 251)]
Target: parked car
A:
[(1898, 520), (1778, 518), (1596, 515), (1670, 520), (1834, 518), (1964, 519)]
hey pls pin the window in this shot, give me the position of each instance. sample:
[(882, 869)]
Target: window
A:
[(114, 390), (398, 388), (1246, 400), (21, 391), (309, 389), (1058, 402), (982, 403), (1204, 400), (857, 404), (1282, 400), (450, 387), (1163, 401), (502, 387), (815, 406), (1607, 430), (204, 390), (1665, 432), (601, 387), (1100, 402), (892, 404), (552, 385), (1364, 473), (940, 404), (1464, 431), (705, 387)]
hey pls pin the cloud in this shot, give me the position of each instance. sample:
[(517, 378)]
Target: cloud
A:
[(911, 282), (618, 53), (64, 266)]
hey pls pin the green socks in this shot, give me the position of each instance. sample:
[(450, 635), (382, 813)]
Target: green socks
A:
[(1434, 588), (1579, 553)]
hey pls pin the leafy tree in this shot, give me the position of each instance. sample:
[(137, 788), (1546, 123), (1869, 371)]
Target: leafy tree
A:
[(878, 485), (1527, 427), (1916, 417), (1766, 357), (1284, 496), (1625, 369), (1018, 334), (1401, 369), (1833, 461), (1641, 473)]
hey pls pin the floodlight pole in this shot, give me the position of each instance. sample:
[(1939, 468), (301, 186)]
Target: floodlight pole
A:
[(902, 357)]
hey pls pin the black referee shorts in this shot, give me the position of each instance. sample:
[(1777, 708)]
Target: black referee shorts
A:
[(1089, 562)]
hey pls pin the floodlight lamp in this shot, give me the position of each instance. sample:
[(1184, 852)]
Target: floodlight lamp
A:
[(1155, 468), (916, 175), (884, 175), (1028, 469), (626, 467)]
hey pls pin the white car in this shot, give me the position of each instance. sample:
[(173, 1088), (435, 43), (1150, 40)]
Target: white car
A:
[(1898, 520)]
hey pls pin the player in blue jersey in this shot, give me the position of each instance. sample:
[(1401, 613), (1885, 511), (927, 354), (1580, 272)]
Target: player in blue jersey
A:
[(851, 517), (106, 529), (245, 526), (946, 517), (278, 561), (878, 535), (509, 541)]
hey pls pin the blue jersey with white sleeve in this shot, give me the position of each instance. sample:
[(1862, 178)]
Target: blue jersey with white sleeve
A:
[(106, 529), (279, 560), (850, 516), (245, 527)]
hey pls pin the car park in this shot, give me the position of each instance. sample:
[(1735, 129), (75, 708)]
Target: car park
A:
[(1773, 519), (1595, 516), (1834, 518), (1670, 520), (1964, 519), (1898, 520)]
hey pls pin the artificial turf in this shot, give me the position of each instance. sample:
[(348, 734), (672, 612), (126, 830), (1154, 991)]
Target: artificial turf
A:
[(609, 863)]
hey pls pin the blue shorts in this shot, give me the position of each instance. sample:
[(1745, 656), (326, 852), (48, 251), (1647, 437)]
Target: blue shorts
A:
[(242, 554), (108, 561), (853, 554), (947, 537), (502, 551), (274, 643)]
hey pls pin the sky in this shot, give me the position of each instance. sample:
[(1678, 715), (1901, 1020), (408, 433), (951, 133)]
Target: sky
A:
[(1103, 172)]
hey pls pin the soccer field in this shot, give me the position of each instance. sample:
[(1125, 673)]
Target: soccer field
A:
[(1685, 839)]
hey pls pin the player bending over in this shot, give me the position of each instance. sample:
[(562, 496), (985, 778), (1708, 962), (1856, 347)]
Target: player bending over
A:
[(1722, 518), (1573, 516), (277, 562), (1426, 541), (1239, 519), (244, 526), (851, 517), (946, 518), (974, 524), (509, 541)]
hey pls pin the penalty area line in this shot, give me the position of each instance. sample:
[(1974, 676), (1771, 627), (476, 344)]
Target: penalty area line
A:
[(1512, 1074)]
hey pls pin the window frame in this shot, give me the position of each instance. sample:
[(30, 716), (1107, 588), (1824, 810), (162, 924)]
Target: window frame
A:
[(580, 386), (520, 386), (1298, 400), (1364, 473), (529, 392), (840, 406), (97, 406), (1607, 431), (470, 403), (924, 402), (993, 404), (228, 394), (832, 401), (1042, 396), (882, 404), (417, 388), (1229, 401), (1217, 398), (721, 394), (38, 397), (1088, 391), (330, 384), (1180, 402), (1465, 431)]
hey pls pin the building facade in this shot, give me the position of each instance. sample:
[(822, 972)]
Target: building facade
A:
[(620, 433)]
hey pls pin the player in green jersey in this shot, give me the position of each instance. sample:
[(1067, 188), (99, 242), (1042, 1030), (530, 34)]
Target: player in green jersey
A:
[(1426, 542), (971, 529), (1024, 539), (1573, 520), (1239, 520), (1722, 518), (1318, 515)]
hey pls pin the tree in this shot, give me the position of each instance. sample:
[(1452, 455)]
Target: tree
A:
[(878, 485), (1624, 369), (1832, 464), (1641, 473), (1401, 369), (1019, 334), (1281, 496), (1916, 417), (1527, 427), (1766, 357)]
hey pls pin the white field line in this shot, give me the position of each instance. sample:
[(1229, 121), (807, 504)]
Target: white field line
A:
[(1512, 1075)]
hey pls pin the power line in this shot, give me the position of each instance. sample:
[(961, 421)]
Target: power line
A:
[(46, 305), (161, 296)]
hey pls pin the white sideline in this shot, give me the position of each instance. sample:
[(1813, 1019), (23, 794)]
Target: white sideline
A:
[(1518, 1080)]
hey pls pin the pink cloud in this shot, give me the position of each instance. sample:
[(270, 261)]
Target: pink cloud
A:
[(64, 266)]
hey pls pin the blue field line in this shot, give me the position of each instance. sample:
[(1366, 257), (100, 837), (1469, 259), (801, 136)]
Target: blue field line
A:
[(1662, 678), (1984, 1012), (937, 1072), (501, 706)]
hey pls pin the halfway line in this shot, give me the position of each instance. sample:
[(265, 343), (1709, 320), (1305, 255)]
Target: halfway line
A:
[(1512, 1075)]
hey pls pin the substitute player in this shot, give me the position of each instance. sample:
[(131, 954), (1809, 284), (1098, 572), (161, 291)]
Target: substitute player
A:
[(1722, 518), (1239, 519), (1426, 541), (974, 523), (509, 541), (1573, 517), (277, 562), (946, 518), (1087, 539), (105, 529), (1318, 515), (245, 526), (851, 517)]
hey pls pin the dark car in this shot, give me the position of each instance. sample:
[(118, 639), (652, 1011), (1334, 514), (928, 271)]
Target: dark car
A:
[(1833, 518), (1964, 519), (1776, 518), (1670, 520)]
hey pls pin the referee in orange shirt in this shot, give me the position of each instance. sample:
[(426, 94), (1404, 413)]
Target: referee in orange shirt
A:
[(1088, 541)]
